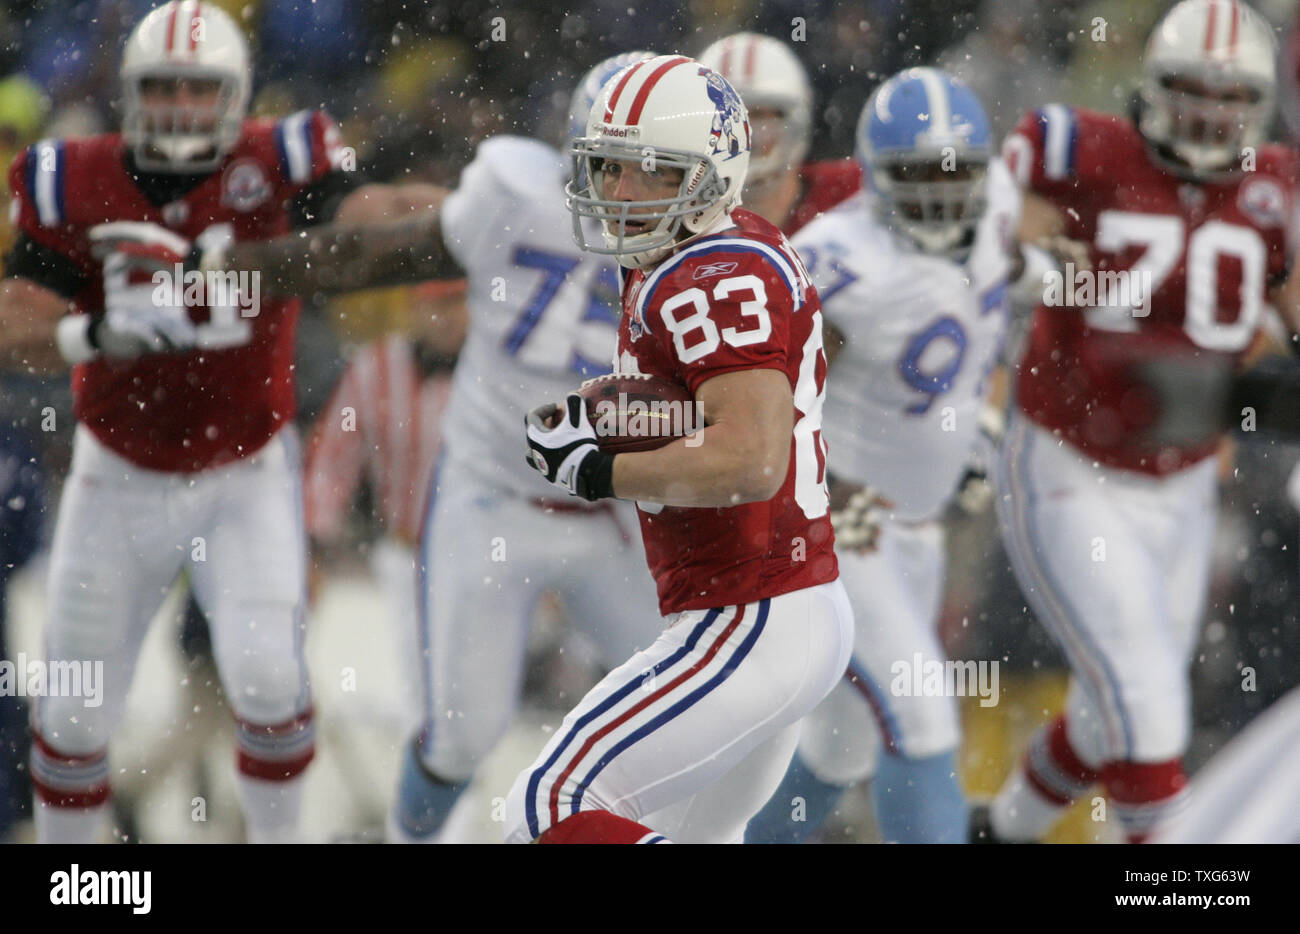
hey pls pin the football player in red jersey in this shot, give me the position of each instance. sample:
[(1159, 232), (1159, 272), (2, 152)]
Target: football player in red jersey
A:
[(184, 456), (688, 738), (1185, 212), (781, 188), (736, 526)]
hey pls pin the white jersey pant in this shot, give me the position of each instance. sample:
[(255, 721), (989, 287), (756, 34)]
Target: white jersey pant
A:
[(895, 592), (395, 565), (486, 559), (1250, 791), (122, 535), (693, 735), (1116, 565)]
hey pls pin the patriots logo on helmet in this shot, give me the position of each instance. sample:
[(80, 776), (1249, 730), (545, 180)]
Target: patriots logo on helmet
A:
[(728, 122)]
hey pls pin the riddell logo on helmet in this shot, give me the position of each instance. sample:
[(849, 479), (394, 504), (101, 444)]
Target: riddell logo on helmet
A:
[(619, 132)]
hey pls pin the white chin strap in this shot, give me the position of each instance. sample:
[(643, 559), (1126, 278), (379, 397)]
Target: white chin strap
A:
[(935, 240), (181, 148), (1204, 157)]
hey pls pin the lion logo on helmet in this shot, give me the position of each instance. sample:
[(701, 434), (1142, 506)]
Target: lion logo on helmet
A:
[(728, 122)]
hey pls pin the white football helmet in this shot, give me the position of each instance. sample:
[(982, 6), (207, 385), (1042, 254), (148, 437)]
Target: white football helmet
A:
[(668, 112), (184, 39), (1221, 45), (768, 76)]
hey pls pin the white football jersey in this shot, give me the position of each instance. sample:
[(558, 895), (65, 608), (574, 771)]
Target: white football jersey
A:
[(922, 337), (543, 315)]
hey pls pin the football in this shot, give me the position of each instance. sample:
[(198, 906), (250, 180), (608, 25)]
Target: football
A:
[(632, 412)]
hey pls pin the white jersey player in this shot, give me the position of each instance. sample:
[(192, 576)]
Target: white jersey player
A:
[(542, 317), (1248, 793), (913, 275)]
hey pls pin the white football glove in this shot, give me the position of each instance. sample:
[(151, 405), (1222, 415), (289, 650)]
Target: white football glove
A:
[(857, 526), (567, 454), (139, 318)]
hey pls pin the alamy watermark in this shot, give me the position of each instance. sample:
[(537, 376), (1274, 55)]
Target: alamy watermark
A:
[(76, 886), (1072, 287), (36, 677), (921, 677), (215, 288), (658, 418)]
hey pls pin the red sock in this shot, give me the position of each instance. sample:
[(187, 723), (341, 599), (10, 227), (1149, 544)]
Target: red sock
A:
[(1144, 793), (275, 752), (1054, 769), (599, 827), (67, 781)]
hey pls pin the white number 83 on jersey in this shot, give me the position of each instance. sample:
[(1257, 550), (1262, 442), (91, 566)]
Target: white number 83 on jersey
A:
[(699, 318)]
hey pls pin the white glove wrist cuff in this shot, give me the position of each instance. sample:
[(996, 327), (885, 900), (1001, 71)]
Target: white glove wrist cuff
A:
[(73, 339), (1032, 284)]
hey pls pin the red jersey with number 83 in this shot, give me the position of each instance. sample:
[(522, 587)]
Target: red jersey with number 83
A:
[(1208, 253), (735, 300)]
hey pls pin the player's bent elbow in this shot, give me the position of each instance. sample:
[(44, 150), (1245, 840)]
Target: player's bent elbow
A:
[(760, 481)]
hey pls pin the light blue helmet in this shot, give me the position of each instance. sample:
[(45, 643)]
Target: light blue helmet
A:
[(924, 144)]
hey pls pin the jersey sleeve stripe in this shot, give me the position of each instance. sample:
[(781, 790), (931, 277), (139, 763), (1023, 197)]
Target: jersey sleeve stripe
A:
[(1058, 144), (45, 181), (726, 245), (293, 140)]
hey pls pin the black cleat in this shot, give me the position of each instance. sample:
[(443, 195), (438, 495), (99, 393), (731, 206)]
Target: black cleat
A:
[(981, 826)]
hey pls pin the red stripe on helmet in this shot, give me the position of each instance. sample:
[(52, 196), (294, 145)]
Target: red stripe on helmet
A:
[(171, 29), (196, 24), (618, 90), (1209, 26), (638, 102), (1232, 33), (750, 54), (725, 65)]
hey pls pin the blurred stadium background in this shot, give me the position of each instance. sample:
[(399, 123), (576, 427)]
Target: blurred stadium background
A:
[(416, 86)]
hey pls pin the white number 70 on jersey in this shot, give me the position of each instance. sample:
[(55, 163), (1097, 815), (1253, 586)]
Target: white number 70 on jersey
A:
[(810, 448)]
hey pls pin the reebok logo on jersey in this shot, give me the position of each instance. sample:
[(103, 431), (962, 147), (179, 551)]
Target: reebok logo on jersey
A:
[(714, 269)]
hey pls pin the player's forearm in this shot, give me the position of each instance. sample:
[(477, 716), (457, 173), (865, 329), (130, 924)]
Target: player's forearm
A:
[(29, 317), (719, 466), (345, 257)]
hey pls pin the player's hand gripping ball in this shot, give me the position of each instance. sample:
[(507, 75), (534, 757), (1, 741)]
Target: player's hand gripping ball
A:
[(562, 448)]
